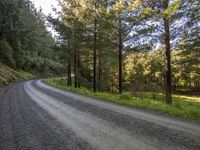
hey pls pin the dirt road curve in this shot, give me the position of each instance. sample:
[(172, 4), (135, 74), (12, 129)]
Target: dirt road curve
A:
[(34, 116)]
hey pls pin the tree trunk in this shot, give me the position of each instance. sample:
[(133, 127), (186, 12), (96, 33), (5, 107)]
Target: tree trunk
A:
[(79, 74), (168, 81), (95, 56), (120, 54), (69, 73), (100, 69), (75, 71)]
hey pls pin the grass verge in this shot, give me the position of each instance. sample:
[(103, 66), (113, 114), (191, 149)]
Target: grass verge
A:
[(180, 107)]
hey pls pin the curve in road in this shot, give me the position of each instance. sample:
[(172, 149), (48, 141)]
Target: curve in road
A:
[(36, 116)]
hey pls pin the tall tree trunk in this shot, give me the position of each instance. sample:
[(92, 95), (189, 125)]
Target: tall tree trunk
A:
[(69, 73), (95, 55), (168, 81), (75, 71), (120, 54), (78, 66), (100, 69)]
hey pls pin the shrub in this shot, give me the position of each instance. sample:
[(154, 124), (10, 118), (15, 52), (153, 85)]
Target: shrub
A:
[(102, 85), (150, 90), (6, 53)]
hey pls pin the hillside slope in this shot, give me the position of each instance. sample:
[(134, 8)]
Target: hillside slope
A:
[(9, 75)]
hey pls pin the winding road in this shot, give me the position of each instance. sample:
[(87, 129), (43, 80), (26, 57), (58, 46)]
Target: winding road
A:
[(34, 116)]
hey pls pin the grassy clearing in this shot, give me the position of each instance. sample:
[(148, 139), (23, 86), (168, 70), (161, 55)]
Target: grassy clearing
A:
[(8, 75), (180, 107)]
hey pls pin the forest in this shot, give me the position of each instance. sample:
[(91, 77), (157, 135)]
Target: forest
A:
[(111, 46), (25, 42)]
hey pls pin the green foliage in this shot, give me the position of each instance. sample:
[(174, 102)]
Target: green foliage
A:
[(145, 68), (31, 45), (137, 30), (182, 108), (6, 53), (187, 59)]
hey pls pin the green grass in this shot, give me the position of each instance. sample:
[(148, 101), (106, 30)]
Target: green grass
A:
[(9, 75), (180, 107)]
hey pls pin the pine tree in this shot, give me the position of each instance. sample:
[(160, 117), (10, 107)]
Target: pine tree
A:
[(161, 17)]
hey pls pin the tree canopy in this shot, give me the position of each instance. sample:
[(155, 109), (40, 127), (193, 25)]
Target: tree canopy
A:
[(25, 42), (107, 45)]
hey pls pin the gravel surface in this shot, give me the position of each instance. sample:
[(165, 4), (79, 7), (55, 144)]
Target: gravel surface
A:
[(34, 116)]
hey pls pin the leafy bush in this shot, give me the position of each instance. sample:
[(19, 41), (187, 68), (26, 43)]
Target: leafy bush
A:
[(140, 90), (151, 87), (32, 62), (6, 53), (102, 85)]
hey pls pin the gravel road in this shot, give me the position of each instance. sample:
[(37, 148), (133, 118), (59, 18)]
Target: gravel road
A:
[(34, 116)]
